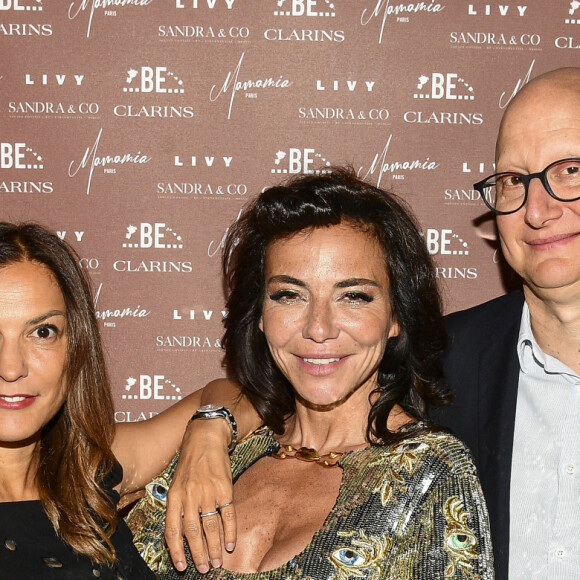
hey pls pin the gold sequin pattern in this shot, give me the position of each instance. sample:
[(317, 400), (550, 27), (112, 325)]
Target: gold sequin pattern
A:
[(410, 511)]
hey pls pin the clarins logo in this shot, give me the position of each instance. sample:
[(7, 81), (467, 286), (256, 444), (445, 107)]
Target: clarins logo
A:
[(12, 29), (304, 9)]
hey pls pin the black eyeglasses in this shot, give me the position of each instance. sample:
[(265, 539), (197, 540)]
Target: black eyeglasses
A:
[(507, 192)]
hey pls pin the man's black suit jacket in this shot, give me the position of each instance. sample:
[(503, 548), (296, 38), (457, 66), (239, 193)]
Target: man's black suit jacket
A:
[(482, 370)]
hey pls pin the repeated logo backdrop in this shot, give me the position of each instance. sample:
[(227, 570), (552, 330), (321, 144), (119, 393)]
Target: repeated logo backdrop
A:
[(138, 129)]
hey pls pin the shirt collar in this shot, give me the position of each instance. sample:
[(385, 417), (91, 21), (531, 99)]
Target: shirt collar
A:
[(532, 358)]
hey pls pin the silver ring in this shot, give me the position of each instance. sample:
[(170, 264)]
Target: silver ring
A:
[(208, 514), (225, 505)]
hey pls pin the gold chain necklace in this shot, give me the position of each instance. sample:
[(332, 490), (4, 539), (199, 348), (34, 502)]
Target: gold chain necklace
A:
[(308, 454)]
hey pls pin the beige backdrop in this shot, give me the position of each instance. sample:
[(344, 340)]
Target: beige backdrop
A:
[(137, 129)]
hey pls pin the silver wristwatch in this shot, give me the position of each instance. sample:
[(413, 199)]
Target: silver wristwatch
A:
[(219, 412)]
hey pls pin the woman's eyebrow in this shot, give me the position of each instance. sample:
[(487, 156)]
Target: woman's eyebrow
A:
[(355, 282), (43, 317), (284, 279)]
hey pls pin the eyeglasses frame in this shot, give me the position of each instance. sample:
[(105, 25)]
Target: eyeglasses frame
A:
[(526, 179)]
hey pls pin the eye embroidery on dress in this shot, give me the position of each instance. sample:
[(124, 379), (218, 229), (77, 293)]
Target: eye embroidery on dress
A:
[(365, 553), (147, 524), (158, 491), (460, 542)]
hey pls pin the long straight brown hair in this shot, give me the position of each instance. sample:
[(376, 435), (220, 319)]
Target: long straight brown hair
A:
[(75, 454)]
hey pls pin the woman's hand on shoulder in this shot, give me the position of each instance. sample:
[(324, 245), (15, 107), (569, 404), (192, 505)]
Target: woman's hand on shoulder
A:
[(202, 484)]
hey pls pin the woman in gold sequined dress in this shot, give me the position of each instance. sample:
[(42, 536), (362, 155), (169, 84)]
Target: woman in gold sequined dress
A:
[(334, 332)]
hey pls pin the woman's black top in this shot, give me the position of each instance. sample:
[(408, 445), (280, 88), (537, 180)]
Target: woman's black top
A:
[(31, 550)]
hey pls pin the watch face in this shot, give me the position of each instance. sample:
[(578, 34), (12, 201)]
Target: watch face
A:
[(209, 408)]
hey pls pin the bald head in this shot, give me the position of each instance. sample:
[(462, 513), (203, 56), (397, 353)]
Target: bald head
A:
[(556, 92), (540, 127)]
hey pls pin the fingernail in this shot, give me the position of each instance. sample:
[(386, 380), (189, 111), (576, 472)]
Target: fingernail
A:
[(203, 568), (230, 547), (216, 563), (180, 566)]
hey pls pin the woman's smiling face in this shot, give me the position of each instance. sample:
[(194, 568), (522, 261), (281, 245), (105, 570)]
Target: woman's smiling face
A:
[(33, 348), (327, 312)]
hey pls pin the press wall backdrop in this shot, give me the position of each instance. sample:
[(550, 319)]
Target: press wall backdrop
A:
[(138, 129)]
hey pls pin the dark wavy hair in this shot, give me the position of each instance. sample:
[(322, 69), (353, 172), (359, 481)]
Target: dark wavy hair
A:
[(410, 371), (75, 448)]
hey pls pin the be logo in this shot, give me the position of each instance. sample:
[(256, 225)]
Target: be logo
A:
[(448, 86), (445, 243), (310, 8), (156, 235), (147, 387), (19, 156), (149, 79), (297, 160), (31, 5)]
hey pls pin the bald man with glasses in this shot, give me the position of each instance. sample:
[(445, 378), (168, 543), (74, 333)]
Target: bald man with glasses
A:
[(514, 363)]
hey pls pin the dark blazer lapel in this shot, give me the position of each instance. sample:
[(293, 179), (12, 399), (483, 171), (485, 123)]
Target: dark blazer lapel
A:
[(497, 391)]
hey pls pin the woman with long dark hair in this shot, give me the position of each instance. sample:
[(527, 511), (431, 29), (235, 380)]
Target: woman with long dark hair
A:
[(60, 476), (334, 332)]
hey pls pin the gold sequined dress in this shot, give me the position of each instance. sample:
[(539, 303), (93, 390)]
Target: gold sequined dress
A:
[(410, 511)]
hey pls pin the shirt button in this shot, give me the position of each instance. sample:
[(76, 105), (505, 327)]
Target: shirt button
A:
[(10, 545), (560, 553), (52, 562), (96, 573), (570, 469)]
